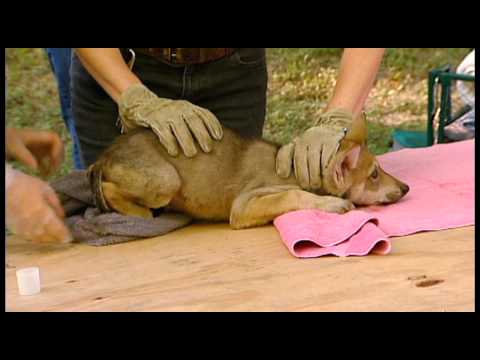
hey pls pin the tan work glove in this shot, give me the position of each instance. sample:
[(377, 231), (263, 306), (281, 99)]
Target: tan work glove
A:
[(172, 120), (310, 153), (33, 210)]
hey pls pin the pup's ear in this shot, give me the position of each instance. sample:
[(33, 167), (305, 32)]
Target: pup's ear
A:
[(346, 163), (358, 132)]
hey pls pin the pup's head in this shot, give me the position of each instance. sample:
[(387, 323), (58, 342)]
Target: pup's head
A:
[(355, 173)]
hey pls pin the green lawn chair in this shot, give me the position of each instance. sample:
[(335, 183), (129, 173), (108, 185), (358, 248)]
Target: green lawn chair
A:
[(439, 105)]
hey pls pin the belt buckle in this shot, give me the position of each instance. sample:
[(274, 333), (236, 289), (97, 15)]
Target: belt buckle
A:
[(172, 55)]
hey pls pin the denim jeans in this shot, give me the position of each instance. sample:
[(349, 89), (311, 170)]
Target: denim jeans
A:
[(60, 61), (233, 88)]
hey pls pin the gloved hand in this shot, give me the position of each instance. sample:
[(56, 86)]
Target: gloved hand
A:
[(310, 153), (172, 120), (33, 210), (40, 150)]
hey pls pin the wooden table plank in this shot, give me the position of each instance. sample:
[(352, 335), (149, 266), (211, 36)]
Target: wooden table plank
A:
[(213, 268)]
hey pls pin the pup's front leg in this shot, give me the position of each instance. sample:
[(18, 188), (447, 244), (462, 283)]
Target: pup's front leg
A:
[(263, 205)]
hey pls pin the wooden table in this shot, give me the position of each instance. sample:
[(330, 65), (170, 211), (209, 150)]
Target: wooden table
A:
[(213, 268)]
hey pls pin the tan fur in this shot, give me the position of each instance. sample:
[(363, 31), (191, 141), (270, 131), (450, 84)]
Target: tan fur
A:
[(235, 182)]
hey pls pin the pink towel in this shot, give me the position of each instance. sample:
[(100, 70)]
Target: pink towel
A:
[(442, 188)]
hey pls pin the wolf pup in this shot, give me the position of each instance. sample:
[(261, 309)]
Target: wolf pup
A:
[(235, 182)]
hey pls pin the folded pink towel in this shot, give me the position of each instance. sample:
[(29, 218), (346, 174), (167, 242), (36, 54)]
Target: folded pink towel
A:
[(442, 188)]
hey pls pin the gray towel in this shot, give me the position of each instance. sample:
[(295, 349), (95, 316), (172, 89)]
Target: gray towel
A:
[(88, 225)]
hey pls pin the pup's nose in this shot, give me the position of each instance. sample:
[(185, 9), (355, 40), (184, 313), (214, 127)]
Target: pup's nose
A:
[(404, 189)]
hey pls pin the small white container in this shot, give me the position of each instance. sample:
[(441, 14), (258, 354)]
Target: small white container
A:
[(28, 281)]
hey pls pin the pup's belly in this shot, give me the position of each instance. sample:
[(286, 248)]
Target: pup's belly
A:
[(214, 205)]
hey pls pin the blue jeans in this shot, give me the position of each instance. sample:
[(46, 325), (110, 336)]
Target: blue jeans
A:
[(60, 61)]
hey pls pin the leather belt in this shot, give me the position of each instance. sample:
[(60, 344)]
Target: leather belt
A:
[(186, 56)]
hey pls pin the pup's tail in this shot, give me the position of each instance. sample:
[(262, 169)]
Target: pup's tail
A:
[(95, 178)]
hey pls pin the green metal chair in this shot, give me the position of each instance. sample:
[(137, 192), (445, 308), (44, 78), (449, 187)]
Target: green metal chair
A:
[(439, 105)]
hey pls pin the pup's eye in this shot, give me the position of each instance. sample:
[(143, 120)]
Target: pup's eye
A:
[(374, 175)]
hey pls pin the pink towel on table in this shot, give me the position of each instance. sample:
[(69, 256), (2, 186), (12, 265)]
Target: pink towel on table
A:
[(442, 188)]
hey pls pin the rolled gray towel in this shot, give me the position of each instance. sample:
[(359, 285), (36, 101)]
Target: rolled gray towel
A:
[(89, 225)]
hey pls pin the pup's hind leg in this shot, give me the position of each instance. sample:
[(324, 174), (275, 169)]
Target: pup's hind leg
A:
[(123, 202), (132, 185), (263, 205)]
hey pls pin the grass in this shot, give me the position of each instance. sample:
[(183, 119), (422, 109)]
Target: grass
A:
[(301, 83)]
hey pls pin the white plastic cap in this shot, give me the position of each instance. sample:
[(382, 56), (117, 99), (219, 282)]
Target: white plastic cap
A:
[(28, 281)]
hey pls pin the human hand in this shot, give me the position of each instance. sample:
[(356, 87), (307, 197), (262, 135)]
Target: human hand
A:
[(33, 210), (40, 150), (311, 152), (173, 121)]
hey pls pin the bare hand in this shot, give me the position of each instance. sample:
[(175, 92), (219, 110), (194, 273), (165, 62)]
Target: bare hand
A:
[(33, 210), (39, 150)]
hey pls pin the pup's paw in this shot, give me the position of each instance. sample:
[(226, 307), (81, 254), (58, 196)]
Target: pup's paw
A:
[(335, 205)]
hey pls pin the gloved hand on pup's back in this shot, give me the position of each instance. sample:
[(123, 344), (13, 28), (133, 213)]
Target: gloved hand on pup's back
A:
[(173, 121)]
